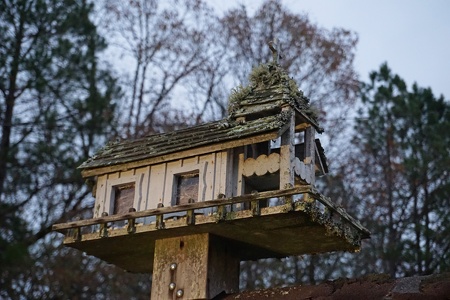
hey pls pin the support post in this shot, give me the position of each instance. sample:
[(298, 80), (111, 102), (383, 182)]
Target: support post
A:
[(198, 266), (287, 152), (310, 152)]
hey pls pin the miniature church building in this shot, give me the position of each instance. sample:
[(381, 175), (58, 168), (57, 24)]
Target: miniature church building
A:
[(189, 205)]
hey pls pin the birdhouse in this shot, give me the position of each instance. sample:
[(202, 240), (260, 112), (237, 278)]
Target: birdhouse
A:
[(189, 205)]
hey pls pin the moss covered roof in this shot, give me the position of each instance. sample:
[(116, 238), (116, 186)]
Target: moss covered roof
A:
[(270, 88), (202, 135)]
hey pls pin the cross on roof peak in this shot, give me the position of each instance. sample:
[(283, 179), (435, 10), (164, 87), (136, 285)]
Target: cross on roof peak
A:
[(276, 50)]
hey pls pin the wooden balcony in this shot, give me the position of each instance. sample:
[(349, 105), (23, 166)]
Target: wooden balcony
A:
[(301, 221)]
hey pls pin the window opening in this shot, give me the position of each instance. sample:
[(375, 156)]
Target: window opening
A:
[(300, 145), (187, 188), (255, 150), (123, 198)]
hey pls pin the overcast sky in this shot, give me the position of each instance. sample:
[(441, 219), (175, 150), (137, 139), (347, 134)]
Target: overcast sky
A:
[(413, 36)]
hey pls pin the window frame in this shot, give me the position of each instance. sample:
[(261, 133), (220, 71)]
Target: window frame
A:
[(111, 186), (175, 183)]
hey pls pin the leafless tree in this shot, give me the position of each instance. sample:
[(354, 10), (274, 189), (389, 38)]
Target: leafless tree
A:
[(162, 47)]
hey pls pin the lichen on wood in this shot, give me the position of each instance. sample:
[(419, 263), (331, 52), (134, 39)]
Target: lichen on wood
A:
[(237, 95), (269, 82)]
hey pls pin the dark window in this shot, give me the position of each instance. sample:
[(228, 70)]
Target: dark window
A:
[(123, 198), (255, 150), (187, 188)]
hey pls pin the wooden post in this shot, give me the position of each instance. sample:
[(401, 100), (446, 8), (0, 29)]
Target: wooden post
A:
[(238, 181), (240, 188), (287, 157), (198, 266), (287, 153), (310, 152)]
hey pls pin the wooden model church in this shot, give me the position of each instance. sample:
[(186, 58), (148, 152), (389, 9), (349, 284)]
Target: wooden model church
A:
[(188, 206)]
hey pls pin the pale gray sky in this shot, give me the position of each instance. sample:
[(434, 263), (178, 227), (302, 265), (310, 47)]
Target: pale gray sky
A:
[(413, 36)]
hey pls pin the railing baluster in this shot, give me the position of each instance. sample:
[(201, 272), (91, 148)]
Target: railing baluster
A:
[(190, 217), (104, 227), (221, 212), (77, 234), (131, 227), (255, 208), (159, 222)]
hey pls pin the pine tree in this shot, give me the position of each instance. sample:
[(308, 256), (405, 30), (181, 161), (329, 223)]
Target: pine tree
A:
[(400, 167), (56, 105)]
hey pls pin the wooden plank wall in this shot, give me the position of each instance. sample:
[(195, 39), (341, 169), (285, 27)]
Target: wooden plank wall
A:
[(155, 184)]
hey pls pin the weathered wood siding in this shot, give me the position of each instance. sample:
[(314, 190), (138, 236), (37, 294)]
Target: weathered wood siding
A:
[(264, 164), (156, 184)]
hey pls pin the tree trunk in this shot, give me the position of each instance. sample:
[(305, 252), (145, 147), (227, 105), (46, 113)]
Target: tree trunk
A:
[(417, 232), (9, 111)]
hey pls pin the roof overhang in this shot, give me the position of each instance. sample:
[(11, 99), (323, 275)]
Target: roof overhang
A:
[(206, 138)]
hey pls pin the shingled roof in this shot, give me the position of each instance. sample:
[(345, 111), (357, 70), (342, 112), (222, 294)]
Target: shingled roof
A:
[(160, 144), (269, 89)]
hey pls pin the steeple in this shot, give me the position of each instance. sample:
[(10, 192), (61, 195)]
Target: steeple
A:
[(269, 89)]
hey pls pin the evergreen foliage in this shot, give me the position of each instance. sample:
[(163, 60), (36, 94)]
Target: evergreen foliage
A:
[(401, 159), (56, 105)]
